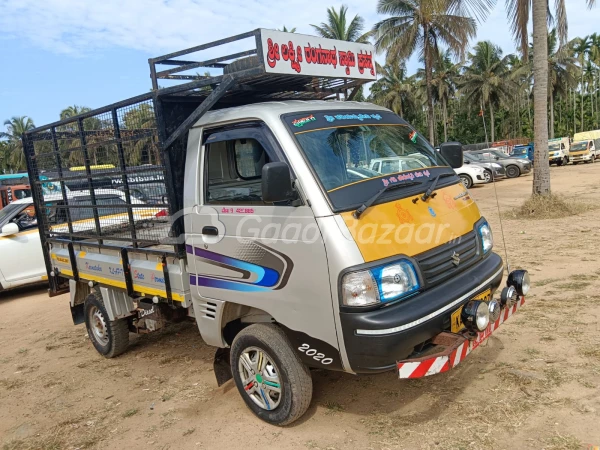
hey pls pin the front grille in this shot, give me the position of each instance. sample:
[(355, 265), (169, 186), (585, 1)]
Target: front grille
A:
[(438, 264)]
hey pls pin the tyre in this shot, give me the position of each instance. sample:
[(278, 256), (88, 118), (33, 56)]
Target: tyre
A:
[(575, 163), (241, 64), (561, 162), (110, 338), (466, 180), (488, 176), (512, 172), (270, 377)]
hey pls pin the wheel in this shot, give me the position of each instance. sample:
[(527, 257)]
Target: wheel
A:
[(488, 176), (110, 338), (249, 62), (575, 163), (561, 162), (270, 377), (512, 172), (466, 180)]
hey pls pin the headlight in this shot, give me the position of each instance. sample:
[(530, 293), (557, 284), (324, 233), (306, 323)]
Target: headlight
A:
[(487, 240), (520, 280), (380, 284), (476, 315)]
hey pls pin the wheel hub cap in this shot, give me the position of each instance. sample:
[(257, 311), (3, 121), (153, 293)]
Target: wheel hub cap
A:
[(98, 326), (260, 378)]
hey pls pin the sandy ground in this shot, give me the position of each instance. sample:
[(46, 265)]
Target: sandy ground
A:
[(535, 384)]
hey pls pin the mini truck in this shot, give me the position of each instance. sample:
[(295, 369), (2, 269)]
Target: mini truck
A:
[(285, 255)]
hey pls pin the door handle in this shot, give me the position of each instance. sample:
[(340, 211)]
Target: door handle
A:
[(210, 231)]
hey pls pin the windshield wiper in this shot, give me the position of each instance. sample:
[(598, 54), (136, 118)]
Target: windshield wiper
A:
[(362, 208), (430, 191)]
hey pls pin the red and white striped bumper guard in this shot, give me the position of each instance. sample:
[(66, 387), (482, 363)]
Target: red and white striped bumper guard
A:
[(457, 347)]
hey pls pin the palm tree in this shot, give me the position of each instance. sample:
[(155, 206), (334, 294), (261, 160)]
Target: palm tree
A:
[(445, 75), (562, 68), (518, 15), (393, 89), (15, 127), (338, 27), (486, 80), (422, 25), (291, 30), (582, 48)]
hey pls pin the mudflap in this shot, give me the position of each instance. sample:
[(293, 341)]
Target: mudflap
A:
[(221, 366), (78, 314)]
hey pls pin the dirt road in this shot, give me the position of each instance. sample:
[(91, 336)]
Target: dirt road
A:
[(535, 384)]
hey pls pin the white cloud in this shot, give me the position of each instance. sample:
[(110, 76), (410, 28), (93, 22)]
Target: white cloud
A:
[(82, 27)]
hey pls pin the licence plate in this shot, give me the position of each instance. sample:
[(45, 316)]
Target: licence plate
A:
[(456, 323)]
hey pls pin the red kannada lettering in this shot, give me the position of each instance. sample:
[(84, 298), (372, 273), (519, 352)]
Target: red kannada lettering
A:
[(293, 56), (314, 55), (365, 61), (272, 53), (347, 60)]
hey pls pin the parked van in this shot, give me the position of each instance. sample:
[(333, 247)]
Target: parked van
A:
[(284, 257), (558, 151)]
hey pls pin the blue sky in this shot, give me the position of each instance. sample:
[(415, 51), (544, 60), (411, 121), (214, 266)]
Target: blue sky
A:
[(57, 53)]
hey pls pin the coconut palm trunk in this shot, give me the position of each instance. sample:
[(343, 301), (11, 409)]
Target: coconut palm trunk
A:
[(551, 118), (445, 111), (541, 169), (428, 80), (492, 122)]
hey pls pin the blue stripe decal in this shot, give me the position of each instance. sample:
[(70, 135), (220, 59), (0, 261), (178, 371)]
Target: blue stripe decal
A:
[(266, 277)]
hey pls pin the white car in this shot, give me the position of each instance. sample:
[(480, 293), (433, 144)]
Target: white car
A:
[(470, 174), (396, 164), (19, 234)]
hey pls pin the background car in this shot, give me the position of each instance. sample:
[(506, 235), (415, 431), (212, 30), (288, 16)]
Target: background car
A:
[(19, 229), (493, 171), (514, 167), (396, 164), (471, 174)]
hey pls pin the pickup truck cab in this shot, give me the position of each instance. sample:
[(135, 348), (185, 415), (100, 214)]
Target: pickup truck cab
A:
[(284, 255)]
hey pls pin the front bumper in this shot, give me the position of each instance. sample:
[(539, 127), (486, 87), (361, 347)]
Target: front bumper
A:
[(581, 158), (525, 168), (376, 340), (453, 349)]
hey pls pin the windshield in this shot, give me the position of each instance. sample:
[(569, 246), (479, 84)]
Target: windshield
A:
[(337, 144), (578, 146), (554, 147), (519, 151)]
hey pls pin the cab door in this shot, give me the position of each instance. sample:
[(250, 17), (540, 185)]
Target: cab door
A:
[(248, 252)]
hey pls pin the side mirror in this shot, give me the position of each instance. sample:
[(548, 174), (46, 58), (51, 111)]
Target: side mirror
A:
[(276, 182), (9, 229), (466, 161), (453, 153)]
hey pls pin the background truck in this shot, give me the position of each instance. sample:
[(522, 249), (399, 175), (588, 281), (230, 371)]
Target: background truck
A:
[(260, 236), (586, 146), (558, 151)]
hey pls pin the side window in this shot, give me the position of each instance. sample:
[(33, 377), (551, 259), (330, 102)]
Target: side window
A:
[(376, 166), (234, 171), (390, 166), (26, 219)]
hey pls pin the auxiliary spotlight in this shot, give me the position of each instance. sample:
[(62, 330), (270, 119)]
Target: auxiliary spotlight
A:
[(476, 315), (520, 280)]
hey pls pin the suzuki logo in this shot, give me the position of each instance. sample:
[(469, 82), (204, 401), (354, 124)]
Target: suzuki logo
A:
[(455, 258)]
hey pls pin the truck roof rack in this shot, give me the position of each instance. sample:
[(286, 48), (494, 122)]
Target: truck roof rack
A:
[(109, 144)]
